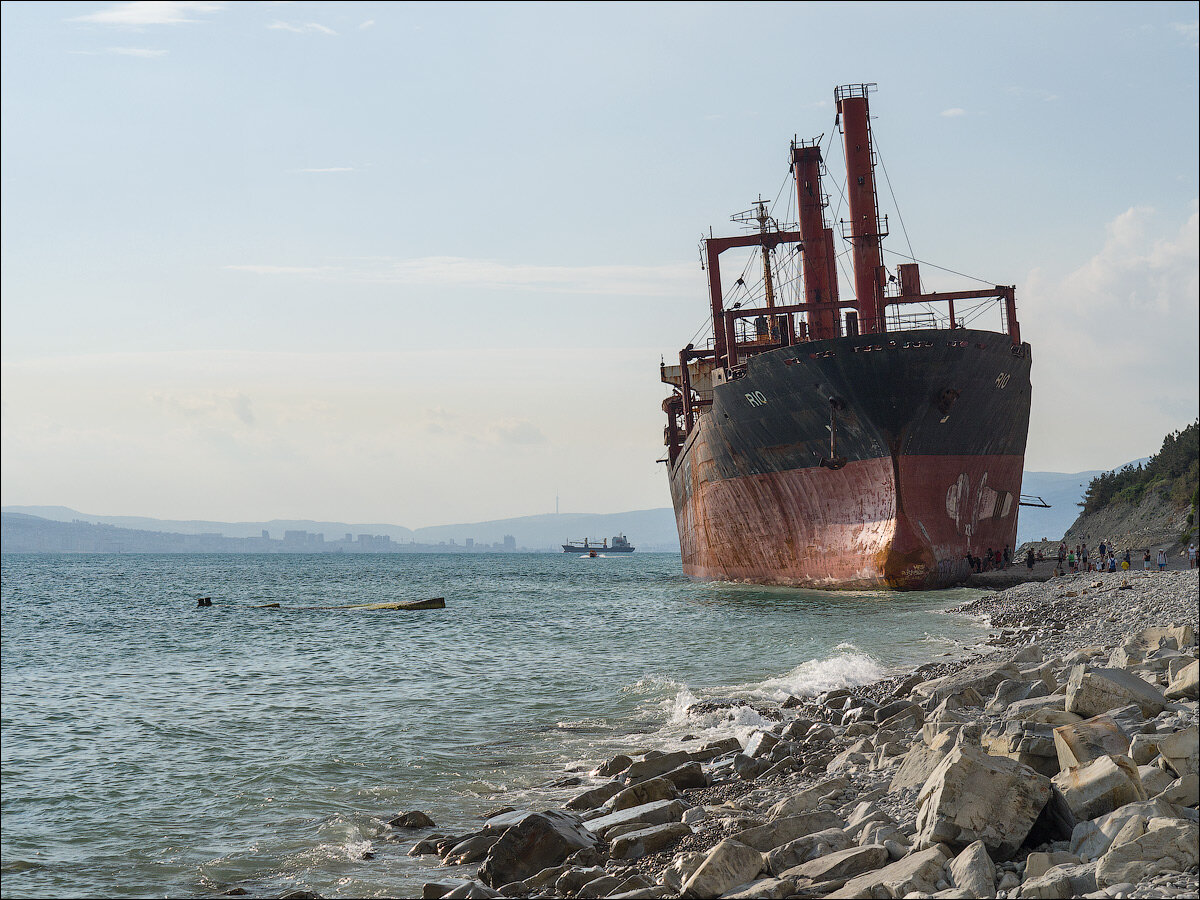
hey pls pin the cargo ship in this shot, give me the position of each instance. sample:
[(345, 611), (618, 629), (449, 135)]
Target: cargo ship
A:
[(873, 442), (620, 544)]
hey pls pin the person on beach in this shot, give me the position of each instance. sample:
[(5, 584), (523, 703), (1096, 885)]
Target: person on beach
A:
[(1191, 556), (1112, 561), (1162, 559), (1103, 548), (1029, 558), (1062, 554), (1146, 561), (1071, 561)]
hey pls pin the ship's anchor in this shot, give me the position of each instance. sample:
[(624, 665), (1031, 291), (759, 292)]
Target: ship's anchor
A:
[(833, 461)]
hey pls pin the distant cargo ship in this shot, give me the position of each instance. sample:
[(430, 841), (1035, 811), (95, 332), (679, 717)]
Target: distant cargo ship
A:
[(620, 544), (875, 448)]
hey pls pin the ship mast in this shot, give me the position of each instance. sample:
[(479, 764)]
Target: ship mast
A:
[(759, 216), (820, 276), (866, 229)]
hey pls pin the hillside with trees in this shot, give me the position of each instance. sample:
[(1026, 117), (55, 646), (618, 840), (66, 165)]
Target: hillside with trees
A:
[(1145, 506)]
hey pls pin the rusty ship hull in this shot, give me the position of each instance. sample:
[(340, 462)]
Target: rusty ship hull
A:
[(926, 465)]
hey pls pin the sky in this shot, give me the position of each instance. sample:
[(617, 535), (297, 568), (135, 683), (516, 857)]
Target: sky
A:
[(418, 263)]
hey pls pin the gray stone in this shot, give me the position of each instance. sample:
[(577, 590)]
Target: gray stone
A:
[(1089, 740), (652, 767), (1062, 882), (1164, 840), (1094, 691), (982, 677), (1184, 680), (778, 832), (1143, 748), (919, 871), (596, 797), (972, 796), (762, 889), (1154, 780), (1183, 791), (535, 842), (639, 843), (414, 819), (716, 748), (682, 867), (1181, 750), (689, 775), (760, 744), (841, 864), (472, 890), (575, 878), (1029, 743), (656, 813), (618, 763), (920, 761), (727, 865), (1037, 864), (471, 850), (973, 871), (803, 849), (641, 793), (748, 768), (1100, 786)]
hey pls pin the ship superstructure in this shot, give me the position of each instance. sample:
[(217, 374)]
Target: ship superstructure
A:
[(869, 442)]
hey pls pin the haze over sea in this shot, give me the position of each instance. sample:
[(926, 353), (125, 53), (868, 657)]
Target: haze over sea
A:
[(151, 747)]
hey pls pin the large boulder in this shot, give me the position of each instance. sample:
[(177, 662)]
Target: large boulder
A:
[(778, 832), (635, 844), (594, 797), (1180, 750), (1029, 743), (727, 865), (1186, 683), (657, 813), (920, 761), (974, 872), (982, 677), (643, 792), (1062, 883), (1089, 740), (806, 848), (536, 841), (973, 796), (653, 766), (920, 871), (841, 864), (1094, 691), (1100, 786), (1163, 845)]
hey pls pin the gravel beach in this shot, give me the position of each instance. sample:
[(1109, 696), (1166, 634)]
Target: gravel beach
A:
[(1061, 764)]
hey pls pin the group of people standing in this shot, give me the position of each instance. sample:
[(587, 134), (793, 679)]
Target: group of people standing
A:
[(1105, 560)]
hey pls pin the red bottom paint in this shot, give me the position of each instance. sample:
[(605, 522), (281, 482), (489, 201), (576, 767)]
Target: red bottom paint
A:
[(875, 523)]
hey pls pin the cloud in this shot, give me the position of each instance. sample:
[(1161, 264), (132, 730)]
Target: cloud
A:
[(666, 280), (952, 113), (208, 405), (515, 431), (143, 52), (1115, 363), (1189, 30), (370, 23), (149, 12), (301, 28), (329, 169)]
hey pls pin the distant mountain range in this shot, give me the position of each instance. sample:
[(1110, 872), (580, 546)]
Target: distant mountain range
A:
[(647, 529)]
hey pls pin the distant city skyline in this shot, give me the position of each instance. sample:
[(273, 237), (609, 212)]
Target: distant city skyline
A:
[(419, 263)]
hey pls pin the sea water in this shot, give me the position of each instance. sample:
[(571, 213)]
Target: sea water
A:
[(153, 747)]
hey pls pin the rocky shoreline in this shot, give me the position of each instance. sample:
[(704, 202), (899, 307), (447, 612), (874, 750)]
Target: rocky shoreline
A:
[(1063, 764)]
